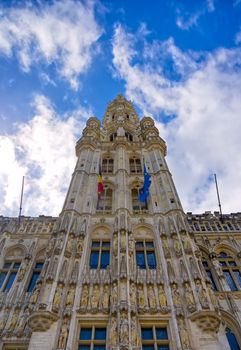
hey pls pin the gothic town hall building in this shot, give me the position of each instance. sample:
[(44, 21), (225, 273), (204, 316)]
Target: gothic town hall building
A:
[(112, 272)]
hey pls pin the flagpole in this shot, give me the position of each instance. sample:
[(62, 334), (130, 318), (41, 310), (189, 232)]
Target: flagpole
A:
[(219, 203), (21, 202)]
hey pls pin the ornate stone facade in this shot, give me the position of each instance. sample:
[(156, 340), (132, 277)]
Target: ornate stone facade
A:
[(113, 271)]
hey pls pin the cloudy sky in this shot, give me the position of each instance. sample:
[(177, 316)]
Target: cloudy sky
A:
[(63, 61)]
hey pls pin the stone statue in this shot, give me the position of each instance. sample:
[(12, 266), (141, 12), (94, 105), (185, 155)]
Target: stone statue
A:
[(63, 336), (131, 243), (115, 244), (176, 296), (113, 333), (189, 295), (165, 245), (162, 297), (184, 335), (34, 296), (217, 267), (134, 333), (59, 244), (132, 294), (202, 294), (114, 295), (176, 245), (151, 297), (124, 329), (123, 240), (131, 262), (84, 297), (50, 246), (23, 319), (95, 297), (22, 269), (57, 297), (140, 297), (106, 297), (70, 296), (14, 320), (80, 245), (186, 242), (3, 319), (70, 244), (212, 295)]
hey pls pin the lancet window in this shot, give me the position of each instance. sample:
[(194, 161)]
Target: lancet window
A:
[(135, 166), (35, 276), (92, 338), (100, 254), (154, 338), (105, 200), (8, 274), (137, 205), (145, 254), (230, 270), (107, 165), (128, 136), (232, 340), (209, 273)]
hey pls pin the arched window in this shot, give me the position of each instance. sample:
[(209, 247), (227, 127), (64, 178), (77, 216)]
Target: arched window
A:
[(8, 274), (107, 165), (137, 206), (135, 166), (207, 267), (230, 271), (233, 343), (35, 275), (105, 200)]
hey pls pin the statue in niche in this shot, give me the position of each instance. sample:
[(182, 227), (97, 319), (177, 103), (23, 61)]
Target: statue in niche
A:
[(186, 242), (50, 246), (3, 319), (131, 262), (62, 274), (84, 297), (162, 297), (217, 267), (80, 245), (122, 221), (14, 320), (123, 240), (123, 266), (151, 297), (23, 319), (114, 295), (133, 294), (70, 244), (124, 329), (141, 297), (131, 243), (34, 296), (115, 244), (83, 227), (189, 295), (59, 244), (212, 295), (176, 296), (22, 269), (57, 297), (176, 245), (113, 332), (183, 334), (70, 296), (106, 297), (165, 245), (134, 333), (63, 335), (95, 297), (202, 294), (74, 273), (2, 244)]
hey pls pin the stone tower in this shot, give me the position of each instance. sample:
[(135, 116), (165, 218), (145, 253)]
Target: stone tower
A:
[(113, 272)]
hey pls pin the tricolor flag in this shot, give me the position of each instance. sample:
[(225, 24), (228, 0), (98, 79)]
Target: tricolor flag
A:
[(100, 185), (144, 191)]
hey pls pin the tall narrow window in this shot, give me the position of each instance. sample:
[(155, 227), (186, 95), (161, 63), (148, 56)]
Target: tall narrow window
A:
[(154, 338), (230, 270), (107, 166), (145, 255), (129, 136), (8, 274), (92, 338), (209, 274), (135, 166), (105, 200), (100, 254), (35, 276), (233, 343), (137, 206)]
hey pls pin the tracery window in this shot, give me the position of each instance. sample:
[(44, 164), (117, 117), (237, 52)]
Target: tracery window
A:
[(8, 274), (92, 338), (209, 273), (100, 254), (107, 165), (230, 270), (154, 338), (233, 343), (137, 205), (105, 200), (135, 166), (35, 275), (145, 254)]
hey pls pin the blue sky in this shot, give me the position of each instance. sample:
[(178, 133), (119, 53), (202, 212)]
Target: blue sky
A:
[(63, 61)]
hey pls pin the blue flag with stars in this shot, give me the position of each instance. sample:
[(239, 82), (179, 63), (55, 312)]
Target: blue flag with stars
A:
[(144, 191)]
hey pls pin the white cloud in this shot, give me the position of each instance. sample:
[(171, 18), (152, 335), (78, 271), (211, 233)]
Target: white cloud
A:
[(204, 136), (42, 150), (64, 33)]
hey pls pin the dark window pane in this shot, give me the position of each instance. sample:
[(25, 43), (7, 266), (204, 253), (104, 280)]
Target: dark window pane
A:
[(148, 347), (84, 347), (39, 265), (222, 263), (205, 263), (210, 276), (232, 263), (149, 244), (237, 276), (232, 340), (139, 245), (16, 265), (99, 347), (223, 255), (105, 244), (33, 281), (230, 280), (161, 333), (140, 260), (146, 333), (95, 244), (151, 259), (7, 265), (85, 333), (100, 333), (10, 281), (2, 278), (163, 347), (105, 259), (94, 258)]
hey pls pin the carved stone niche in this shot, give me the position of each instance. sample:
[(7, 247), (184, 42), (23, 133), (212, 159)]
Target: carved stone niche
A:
[(41, 321), (207, 321)]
